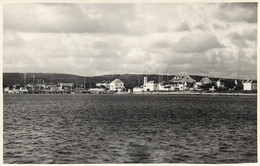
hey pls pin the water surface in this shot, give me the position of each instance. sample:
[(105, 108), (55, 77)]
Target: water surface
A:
[(67, 129)]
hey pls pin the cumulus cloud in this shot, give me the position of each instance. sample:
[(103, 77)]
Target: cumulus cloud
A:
[(183, 27), (95, 39), (199, 42), (250, 34), (161, 44), (237, 40), (237, 12), (75, 18)]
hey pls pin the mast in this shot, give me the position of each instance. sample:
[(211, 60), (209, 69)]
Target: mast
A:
[(33, 85), (167, 76), (84, 84), (138, 80), (24, 80), (239, 58)]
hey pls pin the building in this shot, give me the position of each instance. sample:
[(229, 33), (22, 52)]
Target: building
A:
[(182, 79), (96, 90), (181, 82), (66, 86), (138, 89), (220, 84), (164, 87), (23, 90), (250, 85), (105, 84), (205, 81), (150, 86), (16, 86), (116, 86)]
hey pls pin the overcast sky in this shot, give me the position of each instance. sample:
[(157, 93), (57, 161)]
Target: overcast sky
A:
[(97, 39)]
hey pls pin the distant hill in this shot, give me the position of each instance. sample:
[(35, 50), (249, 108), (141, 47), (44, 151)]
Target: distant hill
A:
[(130, 80)]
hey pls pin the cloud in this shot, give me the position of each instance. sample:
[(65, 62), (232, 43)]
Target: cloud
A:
[(237, 40), (95, 39), (201, 27), (199, 42), (75, 18), (250, 34), (161, 44), (183, 27), (217, 26), (237, 12)]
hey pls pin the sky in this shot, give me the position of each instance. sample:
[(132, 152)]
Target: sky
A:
[(209, 39)]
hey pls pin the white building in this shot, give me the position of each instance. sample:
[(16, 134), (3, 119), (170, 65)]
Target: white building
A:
[(250, 85), (220, 84), (205, 81), (117, 86), (23, 90), (163, 87), (137, 89), (106, 84), (150, 86), (97, 90), (182, 79)]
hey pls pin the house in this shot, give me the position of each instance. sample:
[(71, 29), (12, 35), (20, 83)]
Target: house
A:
[(182, 79), (150, 85), (6, 89), (116, 86), (205, 81), (220, 84), (23, 90), (96, 90), (181, 82), (16, 86), (104, 83), (250, 85), (138, 89), (66, 86), (164, 87)]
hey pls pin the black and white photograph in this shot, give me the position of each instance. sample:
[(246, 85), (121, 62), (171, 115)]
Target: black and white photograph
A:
[(135, 82)]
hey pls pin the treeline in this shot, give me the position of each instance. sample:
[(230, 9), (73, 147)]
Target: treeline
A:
[(130, 80)]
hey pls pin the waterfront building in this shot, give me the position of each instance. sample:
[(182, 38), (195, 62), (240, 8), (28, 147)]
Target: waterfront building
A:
[(16, 86), (96, 90), (6, 89), (116, 86), (250, 85), (150, 85), (220, 84), (23, 90), (182, 79), (164, 87), (104, 83), (138, 89), (66, 86), (205, 81)]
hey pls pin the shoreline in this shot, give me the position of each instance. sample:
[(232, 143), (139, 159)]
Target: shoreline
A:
[(143, 93), (197, 93)]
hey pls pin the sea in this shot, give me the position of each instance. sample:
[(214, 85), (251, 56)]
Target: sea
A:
[(128, 128)]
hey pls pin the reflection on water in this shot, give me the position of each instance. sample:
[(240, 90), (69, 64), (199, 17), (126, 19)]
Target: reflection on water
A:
[(129, 129)]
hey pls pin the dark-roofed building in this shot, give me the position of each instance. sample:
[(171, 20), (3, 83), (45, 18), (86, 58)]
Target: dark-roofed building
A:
[(205, 80), (182, 79)]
